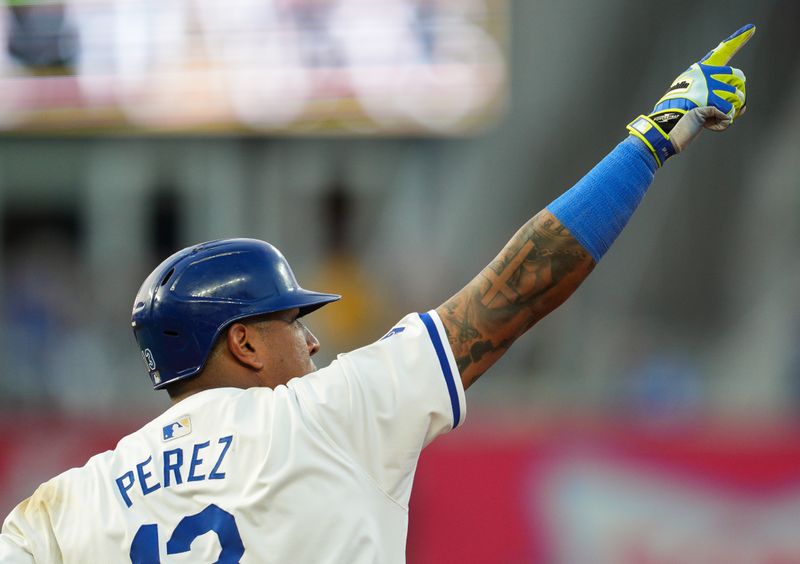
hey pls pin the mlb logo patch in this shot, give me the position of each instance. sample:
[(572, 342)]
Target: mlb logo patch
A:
[(178, 428)]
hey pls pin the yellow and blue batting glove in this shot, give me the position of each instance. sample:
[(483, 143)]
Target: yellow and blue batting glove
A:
[(709, 94)]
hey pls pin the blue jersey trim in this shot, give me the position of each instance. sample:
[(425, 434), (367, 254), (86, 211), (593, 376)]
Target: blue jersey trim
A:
[(445, 365)]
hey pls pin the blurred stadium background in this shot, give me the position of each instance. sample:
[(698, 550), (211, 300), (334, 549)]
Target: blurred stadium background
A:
[(390, 148)]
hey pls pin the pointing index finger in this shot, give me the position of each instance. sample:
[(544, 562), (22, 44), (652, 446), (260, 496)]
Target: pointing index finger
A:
[(724, 52)]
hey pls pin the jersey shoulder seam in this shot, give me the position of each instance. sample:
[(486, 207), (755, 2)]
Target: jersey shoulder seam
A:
[(342, 451)]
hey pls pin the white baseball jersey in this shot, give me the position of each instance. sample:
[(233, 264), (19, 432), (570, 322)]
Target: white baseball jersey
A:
[(319, 470)]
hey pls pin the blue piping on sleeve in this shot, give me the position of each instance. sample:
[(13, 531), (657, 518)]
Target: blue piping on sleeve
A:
[(445, 365)]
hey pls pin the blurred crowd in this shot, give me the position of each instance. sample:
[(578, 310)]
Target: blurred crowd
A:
[(694, 311), (402, 65)]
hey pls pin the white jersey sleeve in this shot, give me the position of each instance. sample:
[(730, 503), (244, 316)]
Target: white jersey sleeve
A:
[(12, 546), (27, 534), (381, 404), (11, 552)]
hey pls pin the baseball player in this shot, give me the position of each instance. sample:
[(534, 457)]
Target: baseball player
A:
[(265, 458)]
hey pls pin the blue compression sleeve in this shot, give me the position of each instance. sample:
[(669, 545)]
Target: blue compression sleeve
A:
[(599, 206)]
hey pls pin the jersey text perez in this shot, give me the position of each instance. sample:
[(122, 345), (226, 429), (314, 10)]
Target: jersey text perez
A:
[(192, 464)]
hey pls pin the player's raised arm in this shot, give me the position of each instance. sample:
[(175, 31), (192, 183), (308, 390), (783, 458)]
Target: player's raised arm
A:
[(554, 252)]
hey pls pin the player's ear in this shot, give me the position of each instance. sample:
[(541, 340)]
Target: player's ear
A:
[(240, 340)]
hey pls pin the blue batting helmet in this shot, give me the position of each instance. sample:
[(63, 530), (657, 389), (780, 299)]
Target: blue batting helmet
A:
[(187, 301)]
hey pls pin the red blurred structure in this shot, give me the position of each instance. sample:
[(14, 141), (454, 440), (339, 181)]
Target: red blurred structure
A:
[(618, 492)]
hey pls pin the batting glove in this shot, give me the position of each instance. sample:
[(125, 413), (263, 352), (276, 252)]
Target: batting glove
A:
[(709, 94)]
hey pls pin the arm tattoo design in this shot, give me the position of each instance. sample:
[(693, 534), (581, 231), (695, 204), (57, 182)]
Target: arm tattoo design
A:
[(535, 272)]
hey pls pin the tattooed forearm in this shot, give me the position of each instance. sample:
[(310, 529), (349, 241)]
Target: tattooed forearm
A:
[(536, 271)]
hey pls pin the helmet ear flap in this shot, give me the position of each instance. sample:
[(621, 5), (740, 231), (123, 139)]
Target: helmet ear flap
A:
[(165, 349)]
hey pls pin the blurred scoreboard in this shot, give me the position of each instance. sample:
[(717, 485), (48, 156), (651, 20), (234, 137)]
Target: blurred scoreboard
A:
[(273, 66)]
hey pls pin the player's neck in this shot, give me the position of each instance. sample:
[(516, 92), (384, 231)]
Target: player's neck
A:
[(182, 390), (212, 378)]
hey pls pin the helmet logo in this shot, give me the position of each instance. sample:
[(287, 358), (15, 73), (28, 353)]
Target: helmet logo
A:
[(149, 360)]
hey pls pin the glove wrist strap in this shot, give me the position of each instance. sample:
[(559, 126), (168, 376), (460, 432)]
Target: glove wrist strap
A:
[(653, 136), (667, 119)]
